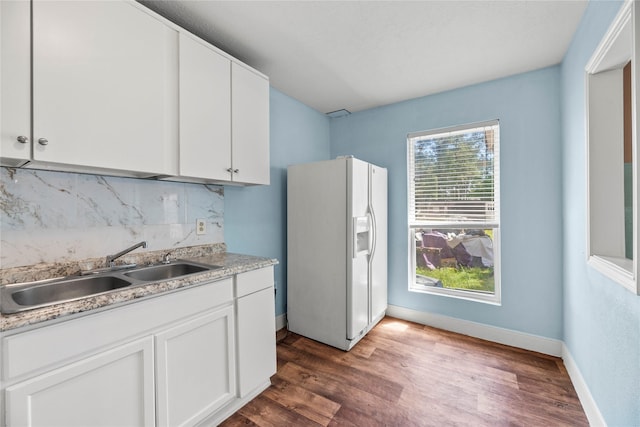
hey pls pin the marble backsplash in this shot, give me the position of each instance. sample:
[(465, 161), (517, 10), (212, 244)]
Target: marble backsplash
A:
[(49, 217)]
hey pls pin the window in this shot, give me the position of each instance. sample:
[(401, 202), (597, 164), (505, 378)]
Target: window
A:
[(612, 205), (454, 211)]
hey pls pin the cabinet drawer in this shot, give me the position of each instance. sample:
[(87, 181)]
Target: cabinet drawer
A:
[(51, 345), (253, 281)]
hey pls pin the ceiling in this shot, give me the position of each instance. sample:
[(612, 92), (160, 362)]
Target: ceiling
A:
[(355, 55)]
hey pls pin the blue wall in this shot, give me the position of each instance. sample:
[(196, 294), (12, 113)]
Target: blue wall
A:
[(547, 287), (528, 106), (601, 319), (255, 218)]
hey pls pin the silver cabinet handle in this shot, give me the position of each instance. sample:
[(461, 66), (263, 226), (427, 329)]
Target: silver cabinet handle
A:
[(229, 170), (22, 139), (43, 141), (236, 170)]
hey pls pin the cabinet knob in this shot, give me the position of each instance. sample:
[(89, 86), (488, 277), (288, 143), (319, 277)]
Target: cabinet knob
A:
[(229, 170), (22, 139), (236, 170), (43, 141)]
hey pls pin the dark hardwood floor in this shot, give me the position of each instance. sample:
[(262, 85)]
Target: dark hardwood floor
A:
[(406, 374)]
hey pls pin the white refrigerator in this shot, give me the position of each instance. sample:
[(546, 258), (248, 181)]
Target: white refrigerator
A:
[(336, 249)]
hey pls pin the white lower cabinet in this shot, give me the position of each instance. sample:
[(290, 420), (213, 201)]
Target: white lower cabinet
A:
[(113, 388), (188, 357), (256, 329), (195, 368)]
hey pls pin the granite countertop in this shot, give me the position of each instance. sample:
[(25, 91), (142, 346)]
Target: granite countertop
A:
[(230, 264)]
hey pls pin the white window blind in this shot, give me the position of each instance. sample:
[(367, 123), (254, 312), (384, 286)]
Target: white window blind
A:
[(454, 177)]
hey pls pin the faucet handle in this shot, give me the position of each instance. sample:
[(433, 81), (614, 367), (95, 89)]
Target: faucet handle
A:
[(165, 258)]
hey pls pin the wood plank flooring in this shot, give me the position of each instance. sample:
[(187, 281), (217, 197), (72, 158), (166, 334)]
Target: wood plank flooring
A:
[(406, 374)]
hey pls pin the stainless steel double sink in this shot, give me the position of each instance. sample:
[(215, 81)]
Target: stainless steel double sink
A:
[(32, 295)]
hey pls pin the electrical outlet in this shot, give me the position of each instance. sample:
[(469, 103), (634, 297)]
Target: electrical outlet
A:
[(201, 226)]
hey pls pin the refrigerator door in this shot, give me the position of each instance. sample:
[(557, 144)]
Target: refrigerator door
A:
[(378, 259), (358, 265), (318, 259)]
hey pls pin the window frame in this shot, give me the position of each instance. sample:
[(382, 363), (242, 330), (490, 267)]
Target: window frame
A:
[(494, 298), (605, 235)]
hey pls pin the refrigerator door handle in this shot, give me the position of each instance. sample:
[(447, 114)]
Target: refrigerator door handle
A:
[(372, 215), (372, 232), (354, 243)]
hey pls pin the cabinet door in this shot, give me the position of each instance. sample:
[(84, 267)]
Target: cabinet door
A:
[(104, 86), (256, 340), (205, 113), (249, 126), (195, 368), (114, 388), (15, 82)]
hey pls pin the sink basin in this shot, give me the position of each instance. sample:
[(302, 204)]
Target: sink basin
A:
[(167, 271), (27, 296), (65, 290)]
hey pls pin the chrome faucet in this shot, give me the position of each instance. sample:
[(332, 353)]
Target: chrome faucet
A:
[(111, 258)]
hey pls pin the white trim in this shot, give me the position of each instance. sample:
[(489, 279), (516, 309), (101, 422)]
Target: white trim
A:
[(614, 271), (444, 224), (494, 298), (281, 322), (509, 337), (597, 62), (454, 130), (606, 250), (481, 297), (584, 394)]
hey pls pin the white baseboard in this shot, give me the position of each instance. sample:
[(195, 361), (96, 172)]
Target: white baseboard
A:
[(584, 394), (523, 340), (281, 321)]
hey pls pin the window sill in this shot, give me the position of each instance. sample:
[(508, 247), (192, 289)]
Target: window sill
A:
[(619, 270), (481, 297)]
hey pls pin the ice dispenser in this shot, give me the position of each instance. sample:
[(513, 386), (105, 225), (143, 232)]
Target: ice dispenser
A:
[(361, 235)]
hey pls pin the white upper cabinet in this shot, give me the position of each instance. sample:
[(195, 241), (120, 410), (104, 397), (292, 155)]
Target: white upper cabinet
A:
[(109, 87), (205, 113), (224, 117), (249, 126), (104, 87), (15, 83)]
